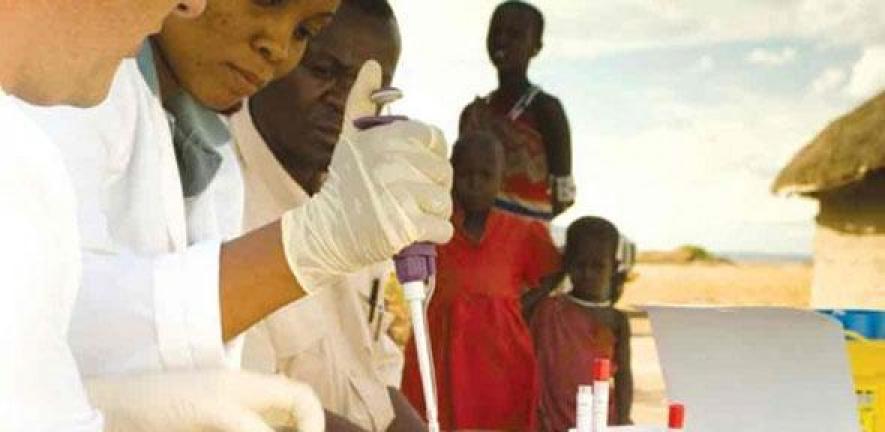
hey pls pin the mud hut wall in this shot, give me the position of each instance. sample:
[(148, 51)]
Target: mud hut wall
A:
[(849, 247)]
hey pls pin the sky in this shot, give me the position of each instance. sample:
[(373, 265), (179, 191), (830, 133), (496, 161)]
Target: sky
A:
[(682, 111)]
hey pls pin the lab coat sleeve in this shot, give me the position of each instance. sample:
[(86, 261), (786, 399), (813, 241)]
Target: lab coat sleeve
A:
[(160, 312), (40, 387), (149, 298)]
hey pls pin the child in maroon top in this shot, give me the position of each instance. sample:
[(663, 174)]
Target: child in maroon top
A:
[(572, 330)]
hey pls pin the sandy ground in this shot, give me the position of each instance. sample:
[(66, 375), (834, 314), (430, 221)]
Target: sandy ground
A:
[(721, 284)]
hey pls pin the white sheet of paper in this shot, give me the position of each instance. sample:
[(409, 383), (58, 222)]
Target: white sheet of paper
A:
[(637, 429), (755, 369)]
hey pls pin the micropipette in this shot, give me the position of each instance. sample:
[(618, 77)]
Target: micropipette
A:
[(415, 265)]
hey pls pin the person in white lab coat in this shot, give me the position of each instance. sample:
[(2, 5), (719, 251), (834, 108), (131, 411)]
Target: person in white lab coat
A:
[(52, 53), (65, 53), (285, 136), (164, 285)]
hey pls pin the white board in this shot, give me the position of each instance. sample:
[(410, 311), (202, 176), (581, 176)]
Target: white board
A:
[(755, 369)]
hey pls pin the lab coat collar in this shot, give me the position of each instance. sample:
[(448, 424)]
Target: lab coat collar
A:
[(196, 131)]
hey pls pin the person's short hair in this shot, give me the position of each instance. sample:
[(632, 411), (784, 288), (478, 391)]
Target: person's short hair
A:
[(596, 229), (474, 138), (534, 11), (377, 8)]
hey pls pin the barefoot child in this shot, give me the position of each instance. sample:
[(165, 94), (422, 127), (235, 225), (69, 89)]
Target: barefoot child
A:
[(573, 329), (486, 372)]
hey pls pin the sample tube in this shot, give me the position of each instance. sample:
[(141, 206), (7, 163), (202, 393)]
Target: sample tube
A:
[(584, 409), (601, 375), (676, 417)]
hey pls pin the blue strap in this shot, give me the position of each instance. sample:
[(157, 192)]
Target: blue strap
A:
[(523, 211)]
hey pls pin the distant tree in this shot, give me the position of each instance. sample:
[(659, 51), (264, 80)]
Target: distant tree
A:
[(697, 253)]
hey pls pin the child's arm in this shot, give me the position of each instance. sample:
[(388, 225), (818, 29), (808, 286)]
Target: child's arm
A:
[(554, 128), (541, 267), (532, 297), (464, 120), (624, 376)]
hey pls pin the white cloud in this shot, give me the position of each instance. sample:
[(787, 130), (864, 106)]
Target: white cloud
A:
[(705, 64), (842, 21), (701, 172), (830, 79), (868, 74), (669, 166), (766, 57), (588, 28)]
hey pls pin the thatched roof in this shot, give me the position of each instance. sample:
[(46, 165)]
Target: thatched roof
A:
[(843, 153)]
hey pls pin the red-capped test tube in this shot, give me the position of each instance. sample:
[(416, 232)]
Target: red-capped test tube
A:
[(602, 370), (676, 417)]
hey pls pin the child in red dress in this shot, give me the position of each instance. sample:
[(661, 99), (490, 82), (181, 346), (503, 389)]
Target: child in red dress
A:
[(485, 366), (572, 330)]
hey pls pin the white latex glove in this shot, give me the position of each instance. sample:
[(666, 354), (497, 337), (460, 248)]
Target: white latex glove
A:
[(387, 187), (218, 401)]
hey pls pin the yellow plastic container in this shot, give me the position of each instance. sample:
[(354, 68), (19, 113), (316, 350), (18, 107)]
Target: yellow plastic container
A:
[(867, 358)]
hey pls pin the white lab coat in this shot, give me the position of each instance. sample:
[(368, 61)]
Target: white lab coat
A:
[(40, 388), (325, 339), (150, 293)]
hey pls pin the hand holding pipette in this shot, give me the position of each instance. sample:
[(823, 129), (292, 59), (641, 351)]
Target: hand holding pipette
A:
[(387, 187), (415, 265)]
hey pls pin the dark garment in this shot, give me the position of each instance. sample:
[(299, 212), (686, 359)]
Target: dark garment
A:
[(568, 337)]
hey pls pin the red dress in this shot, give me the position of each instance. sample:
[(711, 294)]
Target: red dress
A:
[(485, 368), (567, 339)]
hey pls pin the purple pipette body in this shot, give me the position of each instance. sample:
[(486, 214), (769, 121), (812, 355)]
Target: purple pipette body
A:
[(416, 263)]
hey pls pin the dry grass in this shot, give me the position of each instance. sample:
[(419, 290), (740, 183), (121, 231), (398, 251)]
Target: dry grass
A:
[(708, 284), (720, 284)]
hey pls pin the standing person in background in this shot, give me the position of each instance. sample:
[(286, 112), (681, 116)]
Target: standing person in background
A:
[(484, 362), (572, 330), (530, 123), (285, 137)]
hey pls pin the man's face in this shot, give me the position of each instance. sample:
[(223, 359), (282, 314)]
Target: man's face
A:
[(238, 46), (99, 35), (301, 115)]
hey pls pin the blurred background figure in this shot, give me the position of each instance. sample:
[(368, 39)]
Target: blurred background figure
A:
[(485, 366), (530, 123), (573, 329)]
